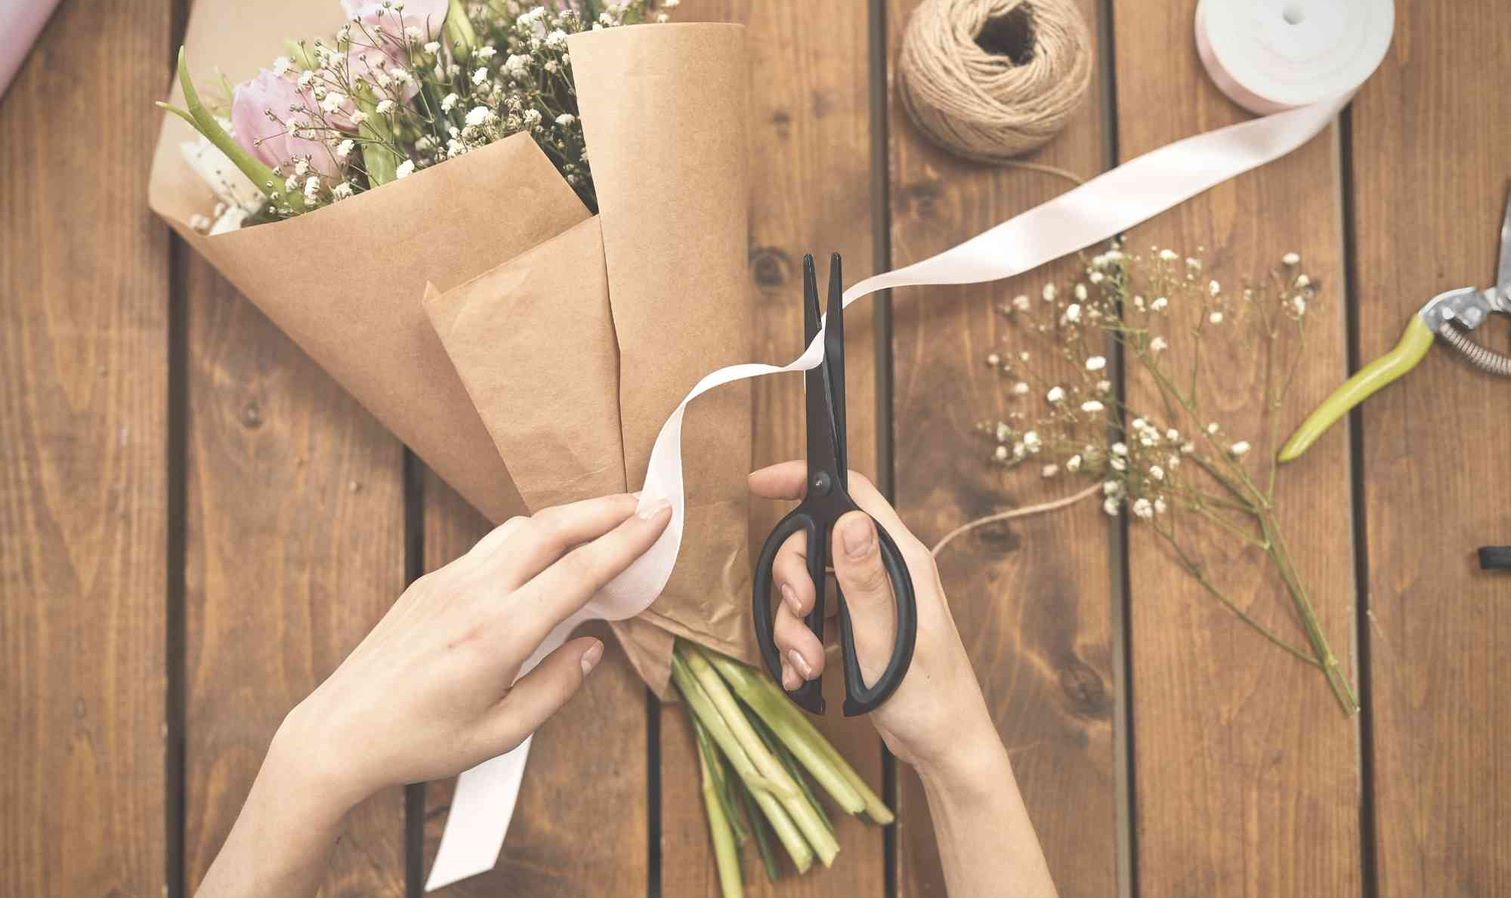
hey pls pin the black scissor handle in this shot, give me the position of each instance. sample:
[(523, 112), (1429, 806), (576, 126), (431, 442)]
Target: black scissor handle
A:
[(810, 695), (859, 698)]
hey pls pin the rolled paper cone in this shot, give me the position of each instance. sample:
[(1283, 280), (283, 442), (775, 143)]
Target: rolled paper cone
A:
[(664, 115), (344, 282), (533, 342)]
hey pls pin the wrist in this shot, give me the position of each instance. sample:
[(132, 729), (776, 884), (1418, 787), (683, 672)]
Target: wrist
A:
[(307, 769), (975, 766)]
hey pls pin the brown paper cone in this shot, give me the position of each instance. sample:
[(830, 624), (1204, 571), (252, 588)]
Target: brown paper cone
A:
[(663, 111), (533, 342)]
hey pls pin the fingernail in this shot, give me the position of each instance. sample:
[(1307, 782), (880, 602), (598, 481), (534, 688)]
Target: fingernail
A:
[(790, 680), (799, 662), (858, 536), (591, 657), (654, 509), (789, 598)]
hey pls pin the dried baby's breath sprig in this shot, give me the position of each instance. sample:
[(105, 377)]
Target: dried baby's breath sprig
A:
[(1159, 456)]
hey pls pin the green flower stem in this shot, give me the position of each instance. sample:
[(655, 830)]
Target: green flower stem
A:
[(762, 832), (773, 711), (726, 855), (775, 746), (378, 156), (803, 814), (794, 728), (761, 791), (724, 791), (459, 29), (204, 122)]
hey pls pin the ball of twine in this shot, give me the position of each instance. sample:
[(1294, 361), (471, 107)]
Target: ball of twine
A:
[(993, 106)]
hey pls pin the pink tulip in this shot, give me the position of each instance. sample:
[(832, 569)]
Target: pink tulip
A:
[(429, 16), (275, 141)]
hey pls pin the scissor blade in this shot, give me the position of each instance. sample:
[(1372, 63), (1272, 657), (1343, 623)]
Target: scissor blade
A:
[(834, 361), (820, 417), (1503, 275)]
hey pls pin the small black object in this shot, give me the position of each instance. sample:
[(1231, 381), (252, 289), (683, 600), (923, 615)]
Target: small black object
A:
[(1495, 558), (826, 501)]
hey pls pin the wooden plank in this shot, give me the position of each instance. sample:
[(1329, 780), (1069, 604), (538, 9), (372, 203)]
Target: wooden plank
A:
[(1430, 132), (1033, 599), (1246, 773), (295, 548), (581, 826), (810, 193), (83, 461)]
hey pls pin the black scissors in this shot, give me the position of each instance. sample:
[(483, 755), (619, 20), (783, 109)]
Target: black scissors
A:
[(827, 499)]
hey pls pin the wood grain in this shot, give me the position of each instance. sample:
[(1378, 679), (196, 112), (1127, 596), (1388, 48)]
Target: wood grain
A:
[(810, 193), (83, 462), (581, 825), (295, 548), (1431, 132), (1032, 599), (1247, 774)]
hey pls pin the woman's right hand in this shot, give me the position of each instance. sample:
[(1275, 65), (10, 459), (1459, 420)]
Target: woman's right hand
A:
[(937, 713)]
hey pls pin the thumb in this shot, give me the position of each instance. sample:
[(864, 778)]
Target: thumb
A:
[(867, 590), (541, 692)]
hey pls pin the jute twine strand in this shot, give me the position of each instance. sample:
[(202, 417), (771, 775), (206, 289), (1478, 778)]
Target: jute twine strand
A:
[(983, 105)]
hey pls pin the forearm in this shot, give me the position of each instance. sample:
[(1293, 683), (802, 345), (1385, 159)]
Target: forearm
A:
[(986, 843), (283, 837)]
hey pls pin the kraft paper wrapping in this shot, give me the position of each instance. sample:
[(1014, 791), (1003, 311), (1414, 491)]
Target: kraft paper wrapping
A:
[(618, 317), (345, 282), (534, 342), (664, 115)]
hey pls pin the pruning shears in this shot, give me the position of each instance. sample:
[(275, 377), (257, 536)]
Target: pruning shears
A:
[(1449, 316)]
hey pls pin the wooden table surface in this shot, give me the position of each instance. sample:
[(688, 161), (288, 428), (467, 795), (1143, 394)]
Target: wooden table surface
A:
[(196, 524)]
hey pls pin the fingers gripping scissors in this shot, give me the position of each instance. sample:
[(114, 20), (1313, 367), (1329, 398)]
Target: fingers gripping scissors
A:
[(1451, 316), (827, 499)]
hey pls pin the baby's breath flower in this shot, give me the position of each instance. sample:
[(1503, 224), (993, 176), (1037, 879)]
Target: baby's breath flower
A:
[(1143, 508), (1159, 303), (1302, 282), (1080, 292), (1240, 448), (1158, 344), (1110, 506), (1020, 302), (1215, 317), (1291, 259), (1073, 464), (406, 168), (1096, 363), (1020, 388), (1092, 406), (1049, 470), (1055, 394), (1073, 312), (1214, 288)]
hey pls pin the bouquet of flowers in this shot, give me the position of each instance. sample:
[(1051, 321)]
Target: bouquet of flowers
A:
[(438, 150), (408, 197)]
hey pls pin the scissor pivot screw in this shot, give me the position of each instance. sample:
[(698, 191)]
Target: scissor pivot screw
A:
[(821, 484)]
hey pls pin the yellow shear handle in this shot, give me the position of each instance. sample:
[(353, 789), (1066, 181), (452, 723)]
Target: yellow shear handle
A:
[(1413, 344)]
